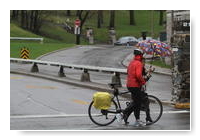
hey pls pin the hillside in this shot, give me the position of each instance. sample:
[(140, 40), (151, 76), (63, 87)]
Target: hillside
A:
[(56, 36), (53, 30)]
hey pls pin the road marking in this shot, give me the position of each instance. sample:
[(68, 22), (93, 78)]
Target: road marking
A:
[(47, 116), (80, 102), (40, 87), (15, 77), (76, 115), (176, 112)]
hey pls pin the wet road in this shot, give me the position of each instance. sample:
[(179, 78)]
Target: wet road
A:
[(42, 104), (39, 104), (108, 56), (103, 56)]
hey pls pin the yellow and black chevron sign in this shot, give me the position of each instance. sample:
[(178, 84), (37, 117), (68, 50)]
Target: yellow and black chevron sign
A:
[(24, 53)]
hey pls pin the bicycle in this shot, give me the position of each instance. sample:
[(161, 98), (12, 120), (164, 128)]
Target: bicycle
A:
[(151, 105)]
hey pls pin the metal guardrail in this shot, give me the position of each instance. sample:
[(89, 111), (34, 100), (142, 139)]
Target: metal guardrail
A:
[(85, 76), (26, 38)]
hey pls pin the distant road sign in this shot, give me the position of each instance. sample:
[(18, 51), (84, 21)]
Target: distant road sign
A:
[(24, 53), (77, 22)]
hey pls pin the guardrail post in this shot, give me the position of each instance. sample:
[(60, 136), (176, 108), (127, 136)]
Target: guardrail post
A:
[(61, 72), (34, 68), (85, 77), (116, 79)]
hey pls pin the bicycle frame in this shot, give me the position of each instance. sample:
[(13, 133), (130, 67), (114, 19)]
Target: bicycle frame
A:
[(116, 94)]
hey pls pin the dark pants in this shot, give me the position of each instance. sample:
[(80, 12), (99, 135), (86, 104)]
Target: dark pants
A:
[(135, 105)]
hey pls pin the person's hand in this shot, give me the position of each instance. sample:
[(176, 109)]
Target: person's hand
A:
[(143, 88), (147, 77)]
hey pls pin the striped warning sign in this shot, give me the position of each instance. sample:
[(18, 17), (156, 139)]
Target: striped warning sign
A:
[(24, 53)]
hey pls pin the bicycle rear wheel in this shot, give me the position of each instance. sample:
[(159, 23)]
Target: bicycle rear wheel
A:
[(102, 117), (151, 110)]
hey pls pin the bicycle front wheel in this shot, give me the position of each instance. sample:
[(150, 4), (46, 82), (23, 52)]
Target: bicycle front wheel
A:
[(102, 117)]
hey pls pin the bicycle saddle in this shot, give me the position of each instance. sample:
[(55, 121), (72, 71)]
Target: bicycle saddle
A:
[(113, 85)]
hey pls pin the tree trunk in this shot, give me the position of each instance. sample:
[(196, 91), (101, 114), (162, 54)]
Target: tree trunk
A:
[(102, 17), (82, 19), (78, 13), (132, 17), (14, 14), (31, 20), (27, 19), (99, 18), (22, 18), (161, 18), (112, 19), (68, 13), (35, 24)]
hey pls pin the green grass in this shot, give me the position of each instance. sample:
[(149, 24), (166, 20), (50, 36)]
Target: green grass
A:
[(55, 37), (16, 31), (122, 27), (159, 63), (54, 33), (36, 49), (57, 33), (143, 23)]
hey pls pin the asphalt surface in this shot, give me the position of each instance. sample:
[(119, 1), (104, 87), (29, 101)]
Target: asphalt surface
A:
[(41, 104), (108, 56), (104, 56)]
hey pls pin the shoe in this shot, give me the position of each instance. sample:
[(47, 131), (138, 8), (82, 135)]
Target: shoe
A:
[(119, 117), (149, 119), (125, 117), (139, 123)]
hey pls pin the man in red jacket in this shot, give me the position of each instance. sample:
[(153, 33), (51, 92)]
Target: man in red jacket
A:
[(135, 81)]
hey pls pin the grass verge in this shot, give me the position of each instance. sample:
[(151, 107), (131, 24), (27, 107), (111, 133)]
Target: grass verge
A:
[(160, 64), (36, 49)]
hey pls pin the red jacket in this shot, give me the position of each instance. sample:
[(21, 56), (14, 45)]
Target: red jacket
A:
[(134, 70)]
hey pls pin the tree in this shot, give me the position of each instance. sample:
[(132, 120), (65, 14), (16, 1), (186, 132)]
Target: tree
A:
[(15, 14), (112, 19), (99, 18), (161, 17), (68, 13), (31, 20), (35, 23), (82, 17), (132, 17)]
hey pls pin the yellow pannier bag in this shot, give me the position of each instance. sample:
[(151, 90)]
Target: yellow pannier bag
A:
[(102, 100)]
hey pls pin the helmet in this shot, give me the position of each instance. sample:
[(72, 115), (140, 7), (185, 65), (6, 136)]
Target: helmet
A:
[(138, 52)]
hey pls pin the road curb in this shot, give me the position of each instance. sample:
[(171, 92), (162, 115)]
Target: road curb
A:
[(66, 81), (90, 85), (182, 105)]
